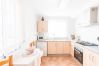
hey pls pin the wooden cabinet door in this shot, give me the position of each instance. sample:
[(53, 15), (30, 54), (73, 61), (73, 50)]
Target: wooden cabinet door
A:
[(51, 47), (42, 26), (59, 47), (72, 48), (39, 26), (67, 47)]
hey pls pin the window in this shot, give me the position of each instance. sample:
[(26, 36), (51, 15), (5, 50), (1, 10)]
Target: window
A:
[(57, 28)]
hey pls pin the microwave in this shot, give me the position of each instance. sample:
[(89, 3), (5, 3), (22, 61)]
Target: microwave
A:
[(40, 37)]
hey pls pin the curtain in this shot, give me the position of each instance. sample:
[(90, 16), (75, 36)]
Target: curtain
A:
[(9, 30)]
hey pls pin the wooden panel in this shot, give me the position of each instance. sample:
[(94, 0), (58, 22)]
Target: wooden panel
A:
[(67, 47), (59, 47), (51, 47), (39, 26), (42, 26), (72, 48)]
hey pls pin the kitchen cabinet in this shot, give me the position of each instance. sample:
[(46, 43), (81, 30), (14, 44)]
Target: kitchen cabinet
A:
[(72, 48), (67, 47), (97, 60), (93, 15), (59, 47), (51, 47), (43, 46), (89, 17), (90, 58), (42, 26)]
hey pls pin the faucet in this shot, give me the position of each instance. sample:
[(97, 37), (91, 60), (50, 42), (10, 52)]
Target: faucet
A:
[(98, 38)]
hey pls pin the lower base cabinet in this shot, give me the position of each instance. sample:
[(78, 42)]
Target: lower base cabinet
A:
[(43, 46), (59, 47), (90, 58)]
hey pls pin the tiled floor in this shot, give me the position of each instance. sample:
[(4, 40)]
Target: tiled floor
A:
[(59, 61)]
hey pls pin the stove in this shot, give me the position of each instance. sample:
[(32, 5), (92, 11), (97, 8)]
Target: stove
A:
[(84, 43), (78, 50)]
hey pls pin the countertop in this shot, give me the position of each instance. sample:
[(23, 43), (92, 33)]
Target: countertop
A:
[(63, 39), (94, 49)]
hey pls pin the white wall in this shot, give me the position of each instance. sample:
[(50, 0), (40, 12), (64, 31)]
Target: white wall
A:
[(90, 33), (31, 11), (29, 19), (57, 27), (84, 18)]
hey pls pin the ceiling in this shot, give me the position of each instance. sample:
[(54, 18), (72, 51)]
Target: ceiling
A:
[(70, 8)]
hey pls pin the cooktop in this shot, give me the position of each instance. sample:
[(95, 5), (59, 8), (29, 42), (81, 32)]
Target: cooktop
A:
[(86, 43)]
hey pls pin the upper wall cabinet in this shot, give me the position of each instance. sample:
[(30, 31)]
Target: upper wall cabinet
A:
[(88, 18), (93, 15), (42, 25)]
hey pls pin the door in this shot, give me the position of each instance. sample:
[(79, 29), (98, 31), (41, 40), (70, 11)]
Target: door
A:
[(51, 47), (59, 47), (67, 47), (42, 26)]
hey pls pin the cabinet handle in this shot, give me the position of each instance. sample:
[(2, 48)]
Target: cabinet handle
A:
[(89, 57), (92, 58)]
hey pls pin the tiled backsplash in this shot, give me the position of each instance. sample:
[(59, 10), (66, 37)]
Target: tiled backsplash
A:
[(89, 34)]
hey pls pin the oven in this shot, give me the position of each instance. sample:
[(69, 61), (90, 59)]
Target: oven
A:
[(78, 49), (78, 54)]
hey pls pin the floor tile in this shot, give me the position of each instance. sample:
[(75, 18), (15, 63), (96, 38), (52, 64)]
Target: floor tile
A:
[(59, 61)]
